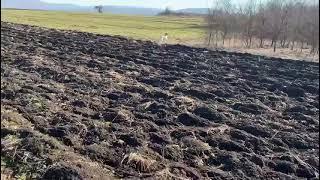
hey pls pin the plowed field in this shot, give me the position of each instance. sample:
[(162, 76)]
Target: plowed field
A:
[(84, 106)]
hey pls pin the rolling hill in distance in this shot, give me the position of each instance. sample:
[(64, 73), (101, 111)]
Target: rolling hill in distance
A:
[(130, 10)]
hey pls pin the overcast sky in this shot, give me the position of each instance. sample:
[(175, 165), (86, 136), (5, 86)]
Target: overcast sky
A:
[(173, 4)]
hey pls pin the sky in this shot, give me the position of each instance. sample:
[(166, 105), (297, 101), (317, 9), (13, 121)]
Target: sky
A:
[(172, 4)]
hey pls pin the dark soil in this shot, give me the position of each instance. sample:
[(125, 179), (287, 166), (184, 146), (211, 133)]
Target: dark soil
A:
[(139, 110)]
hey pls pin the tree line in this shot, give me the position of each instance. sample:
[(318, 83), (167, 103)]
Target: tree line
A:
[(271, 23)]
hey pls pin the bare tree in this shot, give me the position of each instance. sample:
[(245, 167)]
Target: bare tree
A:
[(249, 15), (277, 18), (210, 25), (166, 12), (283, 37), (313, 37), (213, 23), (225, 19), (99, 8), (295, 22), (260, 24), (284, 23)]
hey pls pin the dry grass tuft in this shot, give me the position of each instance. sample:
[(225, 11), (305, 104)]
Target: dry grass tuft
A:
[(220, 129), (123, 115), (117, 77), (165, 174), (185, 102), (6, 175), (13, 120), (138, 161), (195, 146), (9, 143)]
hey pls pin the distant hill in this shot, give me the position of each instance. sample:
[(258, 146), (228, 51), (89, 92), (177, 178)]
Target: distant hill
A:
[(193, 10), (37, 4), (131, 10), (40, 5)]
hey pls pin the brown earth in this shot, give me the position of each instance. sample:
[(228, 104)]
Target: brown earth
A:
[(82, 106)]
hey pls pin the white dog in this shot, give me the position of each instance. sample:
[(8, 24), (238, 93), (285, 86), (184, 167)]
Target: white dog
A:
[(164, 38)]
